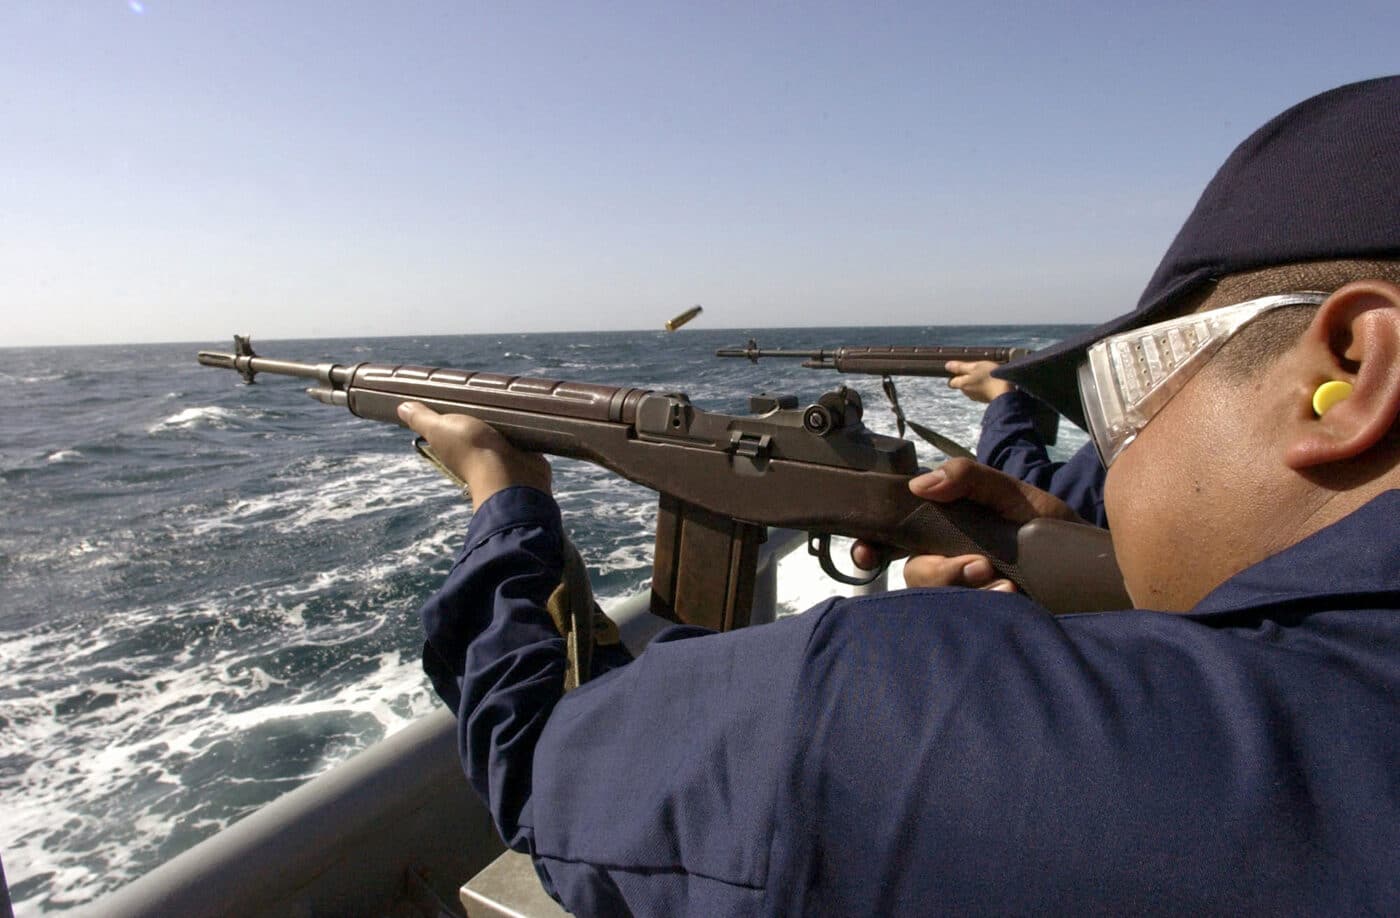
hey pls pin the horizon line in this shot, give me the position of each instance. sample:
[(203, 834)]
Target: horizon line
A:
[(608, 331)]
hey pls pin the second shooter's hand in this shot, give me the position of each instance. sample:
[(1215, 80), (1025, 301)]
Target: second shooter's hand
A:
[(959, 479), (975, 380), (483, 458)]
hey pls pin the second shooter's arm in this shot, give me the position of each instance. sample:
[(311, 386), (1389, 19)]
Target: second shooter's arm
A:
[(724, 478)]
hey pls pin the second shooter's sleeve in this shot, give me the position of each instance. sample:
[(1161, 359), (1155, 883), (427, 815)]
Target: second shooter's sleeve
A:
[(650, 788), (1009, 442)]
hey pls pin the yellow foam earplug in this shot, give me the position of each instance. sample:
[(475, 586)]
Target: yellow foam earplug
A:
[(1329, 394)]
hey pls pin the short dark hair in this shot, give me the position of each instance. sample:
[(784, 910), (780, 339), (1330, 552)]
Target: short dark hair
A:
[(1264, 340)]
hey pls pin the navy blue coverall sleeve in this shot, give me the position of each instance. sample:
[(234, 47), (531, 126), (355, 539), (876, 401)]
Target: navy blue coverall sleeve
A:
[(1009, 442), (670, 790)]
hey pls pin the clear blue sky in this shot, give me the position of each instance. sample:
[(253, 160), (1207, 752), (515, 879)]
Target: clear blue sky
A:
[(181, 170)]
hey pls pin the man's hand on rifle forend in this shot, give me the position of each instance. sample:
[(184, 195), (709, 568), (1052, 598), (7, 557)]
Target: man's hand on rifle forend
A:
[(959, 479), (975, 380), (483, 458)]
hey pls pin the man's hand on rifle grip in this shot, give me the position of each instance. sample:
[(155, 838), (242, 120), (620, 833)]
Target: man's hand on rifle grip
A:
[(476, 452), (959, 479)]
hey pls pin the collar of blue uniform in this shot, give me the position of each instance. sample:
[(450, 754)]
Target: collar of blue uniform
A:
[(1353, 563)]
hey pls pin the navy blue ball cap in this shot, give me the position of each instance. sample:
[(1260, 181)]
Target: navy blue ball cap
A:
[(1321, 181)]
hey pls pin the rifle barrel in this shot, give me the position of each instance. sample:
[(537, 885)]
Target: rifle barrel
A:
[(328, 373), (876, 360), (753, 353)]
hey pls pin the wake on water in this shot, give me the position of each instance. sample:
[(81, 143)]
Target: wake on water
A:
[(211, 588)]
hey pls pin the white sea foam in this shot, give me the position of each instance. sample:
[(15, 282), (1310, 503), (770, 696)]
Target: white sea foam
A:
[(327, 492), (208, 415), (109, 751), (440, 544), (134, 731), (95, 551), (393, 677), (30, 380), (624, 558), (64, 455), (92, 820)]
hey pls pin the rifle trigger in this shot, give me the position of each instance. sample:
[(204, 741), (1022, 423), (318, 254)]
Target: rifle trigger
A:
[(820, 546)]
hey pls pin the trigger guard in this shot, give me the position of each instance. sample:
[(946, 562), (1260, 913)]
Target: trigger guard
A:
[(820, 547)]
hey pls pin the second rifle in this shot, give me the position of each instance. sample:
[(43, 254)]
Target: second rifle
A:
[(888, 362)]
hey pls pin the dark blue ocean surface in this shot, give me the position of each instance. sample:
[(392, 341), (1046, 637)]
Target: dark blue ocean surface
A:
[(210, 588)]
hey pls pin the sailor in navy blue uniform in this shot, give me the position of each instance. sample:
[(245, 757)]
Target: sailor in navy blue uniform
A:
[(1011, 442), (1229, 747)]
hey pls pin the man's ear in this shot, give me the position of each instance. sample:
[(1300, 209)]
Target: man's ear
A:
[(1355, 338)]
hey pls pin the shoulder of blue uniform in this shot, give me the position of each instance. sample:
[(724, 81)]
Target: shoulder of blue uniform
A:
[(903, 628), (1013, 407)]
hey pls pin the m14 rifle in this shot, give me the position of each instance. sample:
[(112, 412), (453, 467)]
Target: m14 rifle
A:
[(917, 360), (724, 479)]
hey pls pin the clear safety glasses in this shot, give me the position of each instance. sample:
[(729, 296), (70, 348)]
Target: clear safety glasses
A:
[(1127, 378)]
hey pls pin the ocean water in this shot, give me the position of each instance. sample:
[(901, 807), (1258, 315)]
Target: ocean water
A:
[(210, 589)]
